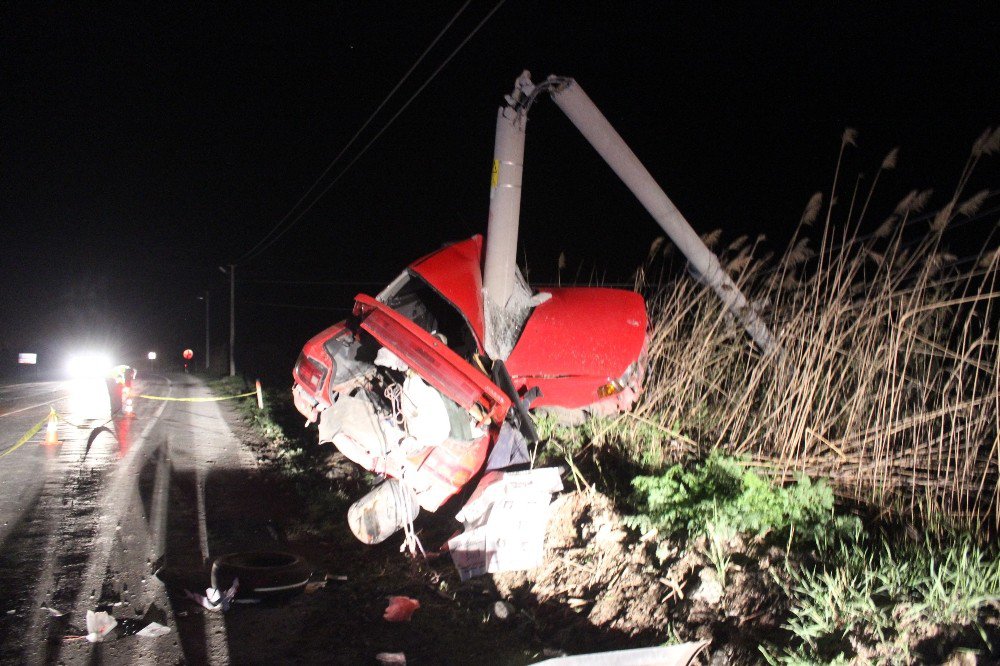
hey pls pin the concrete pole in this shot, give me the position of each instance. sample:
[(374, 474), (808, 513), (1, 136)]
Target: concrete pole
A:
[(500, 257), (587, 118)]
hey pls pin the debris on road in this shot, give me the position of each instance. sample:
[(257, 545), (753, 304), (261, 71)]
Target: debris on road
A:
[(98, 625), (153, 630), (54, 612), (262, 574), (214, 599), (391, 658), (505, 521), (400, 609)]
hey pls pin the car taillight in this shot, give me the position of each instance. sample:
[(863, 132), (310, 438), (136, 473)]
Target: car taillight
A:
[(310, 373)]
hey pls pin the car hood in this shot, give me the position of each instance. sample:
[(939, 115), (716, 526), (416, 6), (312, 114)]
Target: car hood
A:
[(581, 331)]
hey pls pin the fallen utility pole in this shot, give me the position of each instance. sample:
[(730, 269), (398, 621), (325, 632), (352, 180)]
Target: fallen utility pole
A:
[(584, 114)]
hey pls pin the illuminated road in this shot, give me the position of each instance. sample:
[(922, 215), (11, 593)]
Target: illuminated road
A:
[(86, 522)]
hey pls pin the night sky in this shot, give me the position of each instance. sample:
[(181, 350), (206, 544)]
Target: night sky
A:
[(143, 146)]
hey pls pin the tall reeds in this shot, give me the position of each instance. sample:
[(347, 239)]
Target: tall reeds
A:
[(889, 380)]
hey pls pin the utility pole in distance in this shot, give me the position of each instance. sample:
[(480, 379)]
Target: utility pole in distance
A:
[(232, 316), (208, 354)]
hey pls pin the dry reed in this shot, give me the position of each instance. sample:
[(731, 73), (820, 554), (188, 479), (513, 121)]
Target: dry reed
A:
[(889, 383)]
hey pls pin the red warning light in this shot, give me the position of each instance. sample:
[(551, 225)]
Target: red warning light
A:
[(188, 354)]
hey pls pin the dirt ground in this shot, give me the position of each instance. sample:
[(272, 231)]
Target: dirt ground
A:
[(598, 589)]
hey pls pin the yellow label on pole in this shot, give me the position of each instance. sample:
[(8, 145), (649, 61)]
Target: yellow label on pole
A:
[(495, 176)]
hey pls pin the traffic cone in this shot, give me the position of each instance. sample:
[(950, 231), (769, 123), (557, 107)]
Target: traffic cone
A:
[(51, 431)]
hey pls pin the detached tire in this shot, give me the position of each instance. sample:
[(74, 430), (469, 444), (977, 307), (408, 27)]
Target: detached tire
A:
[(262, 574)]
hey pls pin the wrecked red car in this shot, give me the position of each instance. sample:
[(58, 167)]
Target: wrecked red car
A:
[(406, 388)]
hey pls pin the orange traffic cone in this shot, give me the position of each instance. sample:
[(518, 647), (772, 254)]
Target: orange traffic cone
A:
[(52, 432)]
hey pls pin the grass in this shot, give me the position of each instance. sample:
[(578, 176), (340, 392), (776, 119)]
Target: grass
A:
[(877, 598)]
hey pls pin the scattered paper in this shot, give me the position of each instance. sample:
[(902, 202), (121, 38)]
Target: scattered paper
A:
[(98, 625), (400, 609), (153, 630)]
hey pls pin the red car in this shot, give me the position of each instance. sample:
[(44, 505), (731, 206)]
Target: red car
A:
[(406, 389)]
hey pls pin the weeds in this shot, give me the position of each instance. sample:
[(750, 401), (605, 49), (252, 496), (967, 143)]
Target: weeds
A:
[(723, 494), (876, 605)]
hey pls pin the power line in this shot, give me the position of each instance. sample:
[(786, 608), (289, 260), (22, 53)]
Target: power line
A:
[(262, 246), (248, 255)]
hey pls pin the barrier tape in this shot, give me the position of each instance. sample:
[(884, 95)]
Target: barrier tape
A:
[(28, 435), (213, 399), (38, 426)]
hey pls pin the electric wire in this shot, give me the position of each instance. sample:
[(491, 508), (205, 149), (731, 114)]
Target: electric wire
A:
[(354, 138), (259, 248)]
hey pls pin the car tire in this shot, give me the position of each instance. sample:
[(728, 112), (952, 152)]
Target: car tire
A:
[(262, 574)]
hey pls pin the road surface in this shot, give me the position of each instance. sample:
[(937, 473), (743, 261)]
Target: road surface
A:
[(85, 523)]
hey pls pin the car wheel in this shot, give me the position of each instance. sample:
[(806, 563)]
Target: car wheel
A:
[(261, 573)]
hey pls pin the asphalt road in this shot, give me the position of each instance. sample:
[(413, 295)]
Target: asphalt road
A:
[(86, 522)]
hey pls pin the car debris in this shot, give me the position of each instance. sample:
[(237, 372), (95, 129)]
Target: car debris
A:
[(505, 521), (681, 654), (400, 609)]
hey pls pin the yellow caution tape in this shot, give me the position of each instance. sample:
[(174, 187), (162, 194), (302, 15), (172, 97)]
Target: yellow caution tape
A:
[(213, 399), (38, 426), (28, 435)]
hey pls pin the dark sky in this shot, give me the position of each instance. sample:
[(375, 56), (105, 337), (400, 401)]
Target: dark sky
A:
[(144, 145)]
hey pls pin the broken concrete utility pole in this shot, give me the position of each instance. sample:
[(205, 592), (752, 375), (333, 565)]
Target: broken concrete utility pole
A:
[(500, 277)]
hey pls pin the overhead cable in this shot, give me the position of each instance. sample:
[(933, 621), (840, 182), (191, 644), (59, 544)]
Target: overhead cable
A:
[(279, 230)]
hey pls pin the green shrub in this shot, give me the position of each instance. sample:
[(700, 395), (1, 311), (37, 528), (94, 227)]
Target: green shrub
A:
[(722, 491)]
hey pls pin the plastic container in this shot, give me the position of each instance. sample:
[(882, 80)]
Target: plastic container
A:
[(382, 512)]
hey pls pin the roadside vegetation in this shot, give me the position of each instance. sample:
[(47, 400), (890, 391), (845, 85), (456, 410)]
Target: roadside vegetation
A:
[(834, 502), (859, 464)]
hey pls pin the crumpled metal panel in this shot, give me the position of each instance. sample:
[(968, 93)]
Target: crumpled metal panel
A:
[(455, 272)]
